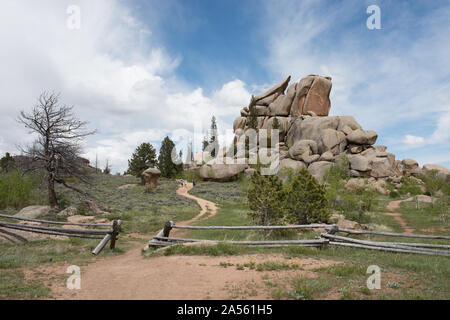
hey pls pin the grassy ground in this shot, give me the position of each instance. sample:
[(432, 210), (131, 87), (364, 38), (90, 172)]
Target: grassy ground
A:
[(142, 213), (404, 276)]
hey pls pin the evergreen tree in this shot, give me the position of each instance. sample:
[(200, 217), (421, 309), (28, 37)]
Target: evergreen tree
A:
[(276, 123), (213, 140), (252, 119), (144, 157), (7, 162), (168, 168), (306, 200), (265, 194)]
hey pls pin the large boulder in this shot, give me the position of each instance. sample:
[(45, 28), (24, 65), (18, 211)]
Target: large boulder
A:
[(348, 121), (355, 185), (310, 128), (359, 163), (409, 166), (381, 168), (282, 105), (319, 168), (151, 177), (221, 172), (288, 167), (303, 148), (443, 172), (239, 123), (278, 88), (360, 136), (33, 212), (318, 98), (331, 140), (312, 95)]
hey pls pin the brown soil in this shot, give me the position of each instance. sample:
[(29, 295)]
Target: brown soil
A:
[(131, 276), (393, 206)]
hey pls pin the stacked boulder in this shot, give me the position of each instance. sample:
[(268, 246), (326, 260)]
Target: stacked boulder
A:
[(309, 138)]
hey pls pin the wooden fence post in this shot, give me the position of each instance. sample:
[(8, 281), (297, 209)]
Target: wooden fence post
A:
[(167, 228)]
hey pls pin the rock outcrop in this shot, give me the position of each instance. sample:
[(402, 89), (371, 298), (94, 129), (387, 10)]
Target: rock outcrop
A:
[(151, 177), (310, 138)]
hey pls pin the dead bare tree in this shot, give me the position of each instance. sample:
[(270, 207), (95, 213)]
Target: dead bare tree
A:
[(58, 146)]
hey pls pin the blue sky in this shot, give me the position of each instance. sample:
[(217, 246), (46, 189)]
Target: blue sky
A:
[(139, 70)]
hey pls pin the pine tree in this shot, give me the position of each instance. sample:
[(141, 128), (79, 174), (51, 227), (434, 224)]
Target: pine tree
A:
[(213, 140), (265, 194), (252, 119), (7, 162), (306, 200), (275, 123), (168, 168), (144, 157)]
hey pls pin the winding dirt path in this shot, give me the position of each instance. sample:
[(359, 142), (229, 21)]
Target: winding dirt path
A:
[(392, 207), (205, 205), (131, 276)]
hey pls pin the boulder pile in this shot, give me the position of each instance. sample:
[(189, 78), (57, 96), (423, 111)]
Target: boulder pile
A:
[(310, 138)]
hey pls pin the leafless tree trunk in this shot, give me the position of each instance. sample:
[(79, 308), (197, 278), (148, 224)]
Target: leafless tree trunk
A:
[(57, 148)]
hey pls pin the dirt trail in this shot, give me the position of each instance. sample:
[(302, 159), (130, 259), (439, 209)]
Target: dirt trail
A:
[(393, 206), (205, 205), (131, 276)]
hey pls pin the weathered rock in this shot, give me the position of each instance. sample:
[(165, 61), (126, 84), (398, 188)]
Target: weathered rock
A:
[(239, 123), (278, 88), (268, 100), (381, 168), (319, 168), (244, 113), (330, 140), (302, 89), (355, 185), (310, 128), (282, 105), (151, 177), (249, 172), (221, 172), (341, 222), (302, 148), (380, 148), (422, 198), (359, 163), (262, 111), (33, 212), (284, 124), (380, 187), (327, 156), (68, 212), (348, 121), (443, 172), (409, 165), (318, 98), (362, 137), (293, 164), (354, 148)]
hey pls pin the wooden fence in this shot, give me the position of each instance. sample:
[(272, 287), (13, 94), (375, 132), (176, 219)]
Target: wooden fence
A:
[(163, 239), (109, 233)]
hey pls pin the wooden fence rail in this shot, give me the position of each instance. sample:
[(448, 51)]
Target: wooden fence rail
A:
[(105, 235), (163, 239)]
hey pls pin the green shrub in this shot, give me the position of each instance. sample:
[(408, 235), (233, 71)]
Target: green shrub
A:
[(434, 183), (306, 200), (18, 191), (265, 199), (410, 186)]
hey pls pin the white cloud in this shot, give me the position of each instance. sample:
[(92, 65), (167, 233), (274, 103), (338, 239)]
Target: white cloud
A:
[(117, 77), (413, 140), (392, 80)]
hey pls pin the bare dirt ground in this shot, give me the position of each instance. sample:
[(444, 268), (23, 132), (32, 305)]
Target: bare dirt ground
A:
[(131, 276), (393, 206)]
